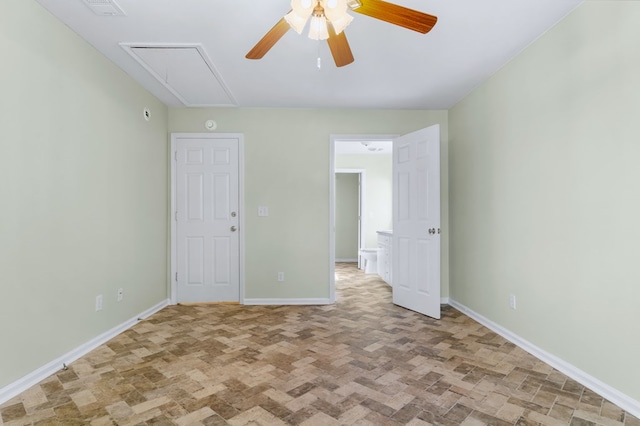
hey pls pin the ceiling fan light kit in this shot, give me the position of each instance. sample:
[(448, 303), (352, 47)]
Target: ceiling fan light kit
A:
[(295, 21), (322, 13), (329, 18), (318, 28), (341, 23)]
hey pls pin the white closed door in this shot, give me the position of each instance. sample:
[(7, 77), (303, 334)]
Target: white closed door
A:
[(207, 219), (416, 221)]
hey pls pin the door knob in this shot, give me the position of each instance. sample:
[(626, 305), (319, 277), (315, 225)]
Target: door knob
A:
[(234, 229)]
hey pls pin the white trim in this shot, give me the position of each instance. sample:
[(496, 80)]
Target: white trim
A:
[(362, 219), (444, 301), (347, 260), (332, 220), (13, 389), (280, 302), (173, 266), (241, 211), (622, 400), (332, 193)]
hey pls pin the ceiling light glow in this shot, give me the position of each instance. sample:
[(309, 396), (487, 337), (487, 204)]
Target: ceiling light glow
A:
[(321, 12)]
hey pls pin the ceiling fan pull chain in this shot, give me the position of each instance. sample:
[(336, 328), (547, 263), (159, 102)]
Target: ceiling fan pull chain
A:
[(319, 62)]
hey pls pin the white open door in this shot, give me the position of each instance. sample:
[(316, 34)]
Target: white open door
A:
[(416, 221), (360, 233), (206, 218)]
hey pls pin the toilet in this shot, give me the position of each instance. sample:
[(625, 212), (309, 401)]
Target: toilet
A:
[(369, 260)]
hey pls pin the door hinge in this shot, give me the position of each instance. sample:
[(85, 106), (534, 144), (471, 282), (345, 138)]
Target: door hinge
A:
[(175, 215), (176, 277), (175, 155)]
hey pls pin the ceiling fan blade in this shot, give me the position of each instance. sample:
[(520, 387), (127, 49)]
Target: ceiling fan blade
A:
[(269, 39), (339, 47), (398, 15)]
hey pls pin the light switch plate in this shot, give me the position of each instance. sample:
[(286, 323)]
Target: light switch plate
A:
[(263, 211)]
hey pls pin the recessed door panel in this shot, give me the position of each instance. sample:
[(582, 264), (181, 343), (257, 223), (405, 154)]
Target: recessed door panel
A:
[(404, 154), (221, 208), (402, 275), (422, 250), (195, 197), (422, 203), (221, 156), (221, 260), (195, 261), (404, 192), (195, 156), (422, 150)]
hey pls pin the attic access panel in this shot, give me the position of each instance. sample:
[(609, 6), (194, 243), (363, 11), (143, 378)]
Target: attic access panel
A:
[(186, 71)]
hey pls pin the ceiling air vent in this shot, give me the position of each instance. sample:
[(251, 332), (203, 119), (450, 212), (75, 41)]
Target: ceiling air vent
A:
[(104, 7)]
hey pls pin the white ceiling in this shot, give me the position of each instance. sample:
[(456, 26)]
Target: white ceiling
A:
[(394, 67), (374, 147)]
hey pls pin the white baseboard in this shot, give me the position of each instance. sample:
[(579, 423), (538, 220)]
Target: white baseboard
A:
[(444, 300), (622, 400), (287, 301), (13, 389), (349, 260)]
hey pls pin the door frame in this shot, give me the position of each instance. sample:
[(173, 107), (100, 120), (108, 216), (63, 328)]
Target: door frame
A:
[(173, 285), (362, 175), (355, 138)]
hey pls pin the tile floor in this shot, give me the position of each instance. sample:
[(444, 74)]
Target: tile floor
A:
[(361, 361)]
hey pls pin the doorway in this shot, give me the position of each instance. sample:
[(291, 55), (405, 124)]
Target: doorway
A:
[(415, 225), (349, 205), (369, 222)]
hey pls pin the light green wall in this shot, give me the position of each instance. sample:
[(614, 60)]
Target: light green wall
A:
[(346, 216), (545, 194), (287, 169), (83, 189), (378, 191)]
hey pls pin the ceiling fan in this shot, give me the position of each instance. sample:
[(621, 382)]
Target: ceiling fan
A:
[(329, 18)]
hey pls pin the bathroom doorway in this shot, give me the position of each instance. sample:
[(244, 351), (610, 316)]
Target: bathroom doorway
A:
[(349, 205), (370, 157)]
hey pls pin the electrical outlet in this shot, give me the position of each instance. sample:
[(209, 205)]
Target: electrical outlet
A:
[(120, 294), (281, 276), (512, 301), (98, 302)]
